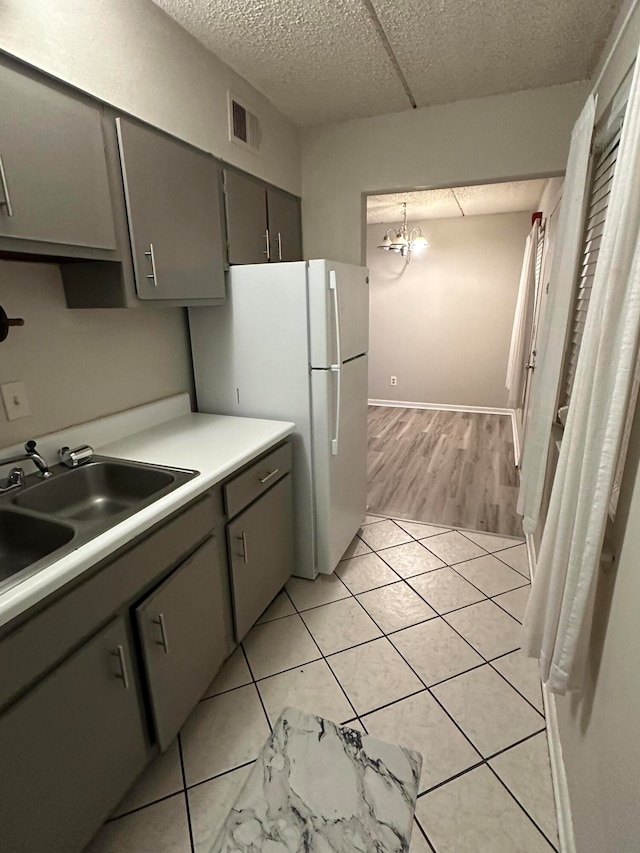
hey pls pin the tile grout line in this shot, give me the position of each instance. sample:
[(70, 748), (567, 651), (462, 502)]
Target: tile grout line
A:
[(426, 687), (255, 684), (186, 794), (322, 655), (513, 796), (423, 832), (484, 761)]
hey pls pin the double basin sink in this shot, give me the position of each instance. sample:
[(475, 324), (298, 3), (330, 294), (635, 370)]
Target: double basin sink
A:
[(50, 518)]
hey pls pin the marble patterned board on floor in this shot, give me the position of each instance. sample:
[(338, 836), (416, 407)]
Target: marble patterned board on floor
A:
[(453, 686), (319, 786)]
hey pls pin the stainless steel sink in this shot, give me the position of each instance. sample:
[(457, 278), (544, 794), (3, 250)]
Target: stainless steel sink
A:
[(45, 520), (25, 539), (95, 491)]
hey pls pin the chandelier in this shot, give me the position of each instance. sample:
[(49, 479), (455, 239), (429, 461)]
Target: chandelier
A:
[(403, 241)]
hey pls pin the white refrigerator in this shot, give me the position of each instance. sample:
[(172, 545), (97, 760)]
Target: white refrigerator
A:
[(290, 343)]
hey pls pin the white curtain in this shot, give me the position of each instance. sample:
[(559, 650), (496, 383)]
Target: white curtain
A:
[(559, 614), (552, 331), (519, 349)]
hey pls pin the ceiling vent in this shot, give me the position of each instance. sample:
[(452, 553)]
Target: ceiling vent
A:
[(244, 126)]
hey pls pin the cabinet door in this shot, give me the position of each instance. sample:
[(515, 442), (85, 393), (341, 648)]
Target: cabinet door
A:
[(246, 207), (173, 199), (70, 748), (183, 637), (261, 553), (53, 174), (284, 226)]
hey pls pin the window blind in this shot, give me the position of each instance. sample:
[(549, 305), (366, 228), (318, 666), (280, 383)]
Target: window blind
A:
[(596, 215)]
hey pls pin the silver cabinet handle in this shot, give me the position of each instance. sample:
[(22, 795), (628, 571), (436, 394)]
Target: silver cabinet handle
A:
[(5, 190), (152, 258), (267, 251), (279, 247), (268, 476), (164, 640), (123, 674), (243, 539)]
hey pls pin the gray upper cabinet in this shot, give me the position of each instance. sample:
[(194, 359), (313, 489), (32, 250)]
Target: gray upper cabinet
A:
[(247, 234), (173, 200), (69, 748), (263, 223), (54, 188), (284, 226), (183, 637)]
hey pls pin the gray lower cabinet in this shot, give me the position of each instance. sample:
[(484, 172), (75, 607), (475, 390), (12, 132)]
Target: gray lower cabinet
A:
[(174, 211), (54, 187), (261, 553), (183, 637), (70, 747), (263, 223)]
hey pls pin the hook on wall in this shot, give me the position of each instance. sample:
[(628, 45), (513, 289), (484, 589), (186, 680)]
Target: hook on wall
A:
[(7, 322)]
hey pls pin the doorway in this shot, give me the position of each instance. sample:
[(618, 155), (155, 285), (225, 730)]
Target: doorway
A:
[(443, 436)]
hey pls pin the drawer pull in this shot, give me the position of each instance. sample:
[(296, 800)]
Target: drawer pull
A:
[(152, 259), (268, 476), (164, 640), (243, 539), (123, 674), (6, 202)]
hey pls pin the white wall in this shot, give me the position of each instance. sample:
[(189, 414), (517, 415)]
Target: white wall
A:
[(130, 54), (523, 135), (599, 729), (442, 324), (79, 365)]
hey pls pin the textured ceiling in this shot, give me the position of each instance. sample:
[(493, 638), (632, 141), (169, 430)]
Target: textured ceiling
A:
[(508, 197), (319, 62)]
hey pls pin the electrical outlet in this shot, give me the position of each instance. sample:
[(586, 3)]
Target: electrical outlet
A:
[(394, 380), (14, 397)]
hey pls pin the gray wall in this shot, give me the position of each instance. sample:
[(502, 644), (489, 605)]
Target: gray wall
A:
[(503, 137), (442, 324), (79, 365), (130, 54)]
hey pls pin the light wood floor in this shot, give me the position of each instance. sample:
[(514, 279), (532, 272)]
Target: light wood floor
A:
[(451, 468)]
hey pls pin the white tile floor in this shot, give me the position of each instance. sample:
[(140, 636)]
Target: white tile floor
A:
[(414, 639)]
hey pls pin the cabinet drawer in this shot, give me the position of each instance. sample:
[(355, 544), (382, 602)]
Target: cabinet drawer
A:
[(249, 485)]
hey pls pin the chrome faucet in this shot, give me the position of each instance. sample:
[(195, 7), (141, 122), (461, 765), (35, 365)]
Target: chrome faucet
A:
[(16, 475)]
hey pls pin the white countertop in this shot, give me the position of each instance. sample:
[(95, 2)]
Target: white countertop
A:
[(214, 445)]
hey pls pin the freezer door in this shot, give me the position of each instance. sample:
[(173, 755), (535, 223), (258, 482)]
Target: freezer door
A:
[(338, 312), (341, 478)]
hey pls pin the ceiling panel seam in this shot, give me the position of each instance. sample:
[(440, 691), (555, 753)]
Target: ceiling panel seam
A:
[(453, 193), (368, 5)]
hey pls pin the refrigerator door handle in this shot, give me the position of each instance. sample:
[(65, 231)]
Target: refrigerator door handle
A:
[(336, 368), (333, 287)]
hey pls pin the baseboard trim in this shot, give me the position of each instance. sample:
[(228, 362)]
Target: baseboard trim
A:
[(403, 404), (566, 835), (558, 775)]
